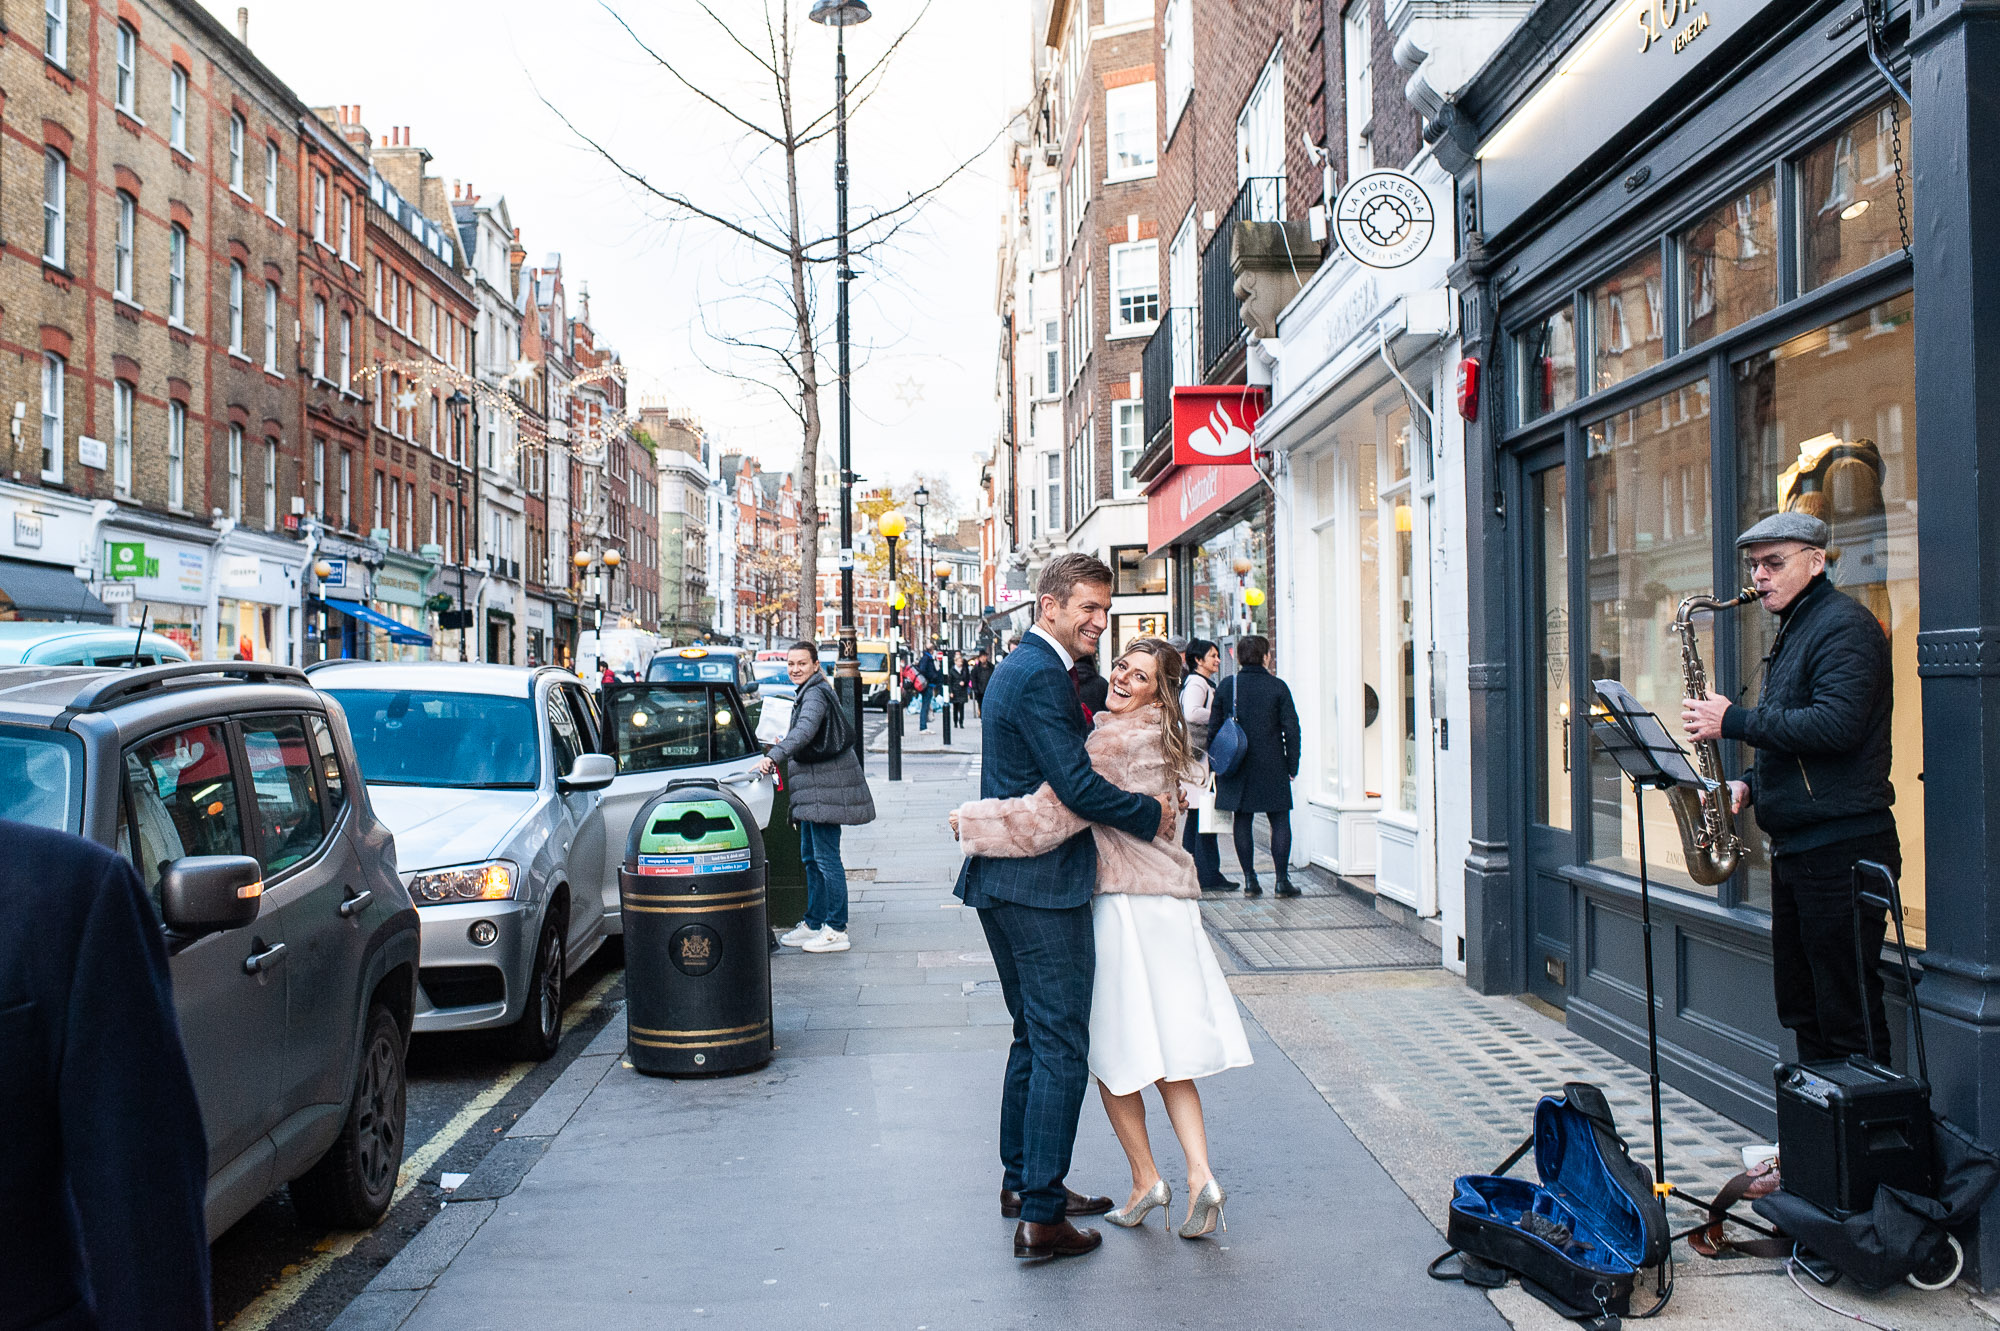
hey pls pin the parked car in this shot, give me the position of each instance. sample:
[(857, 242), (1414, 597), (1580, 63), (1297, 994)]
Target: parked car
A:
[(491, 777), (712, 665), (31, 643), (293, 953), (662, 733)]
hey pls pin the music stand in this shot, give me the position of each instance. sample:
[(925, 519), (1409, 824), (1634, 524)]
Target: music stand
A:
[(1648, 756)]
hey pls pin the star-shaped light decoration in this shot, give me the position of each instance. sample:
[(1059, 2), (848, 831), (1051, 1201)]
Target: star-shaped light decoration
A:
[(523, 368), (909, 392), (406, 400)]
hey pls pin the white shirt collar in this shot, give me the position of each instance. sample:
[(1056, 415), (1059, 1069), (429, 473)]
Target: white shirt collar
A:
[(1062, 654)]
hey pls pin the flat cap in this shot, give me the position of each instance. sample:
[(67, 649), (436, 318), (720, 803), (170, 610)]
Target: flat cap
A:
[(1801, 527)]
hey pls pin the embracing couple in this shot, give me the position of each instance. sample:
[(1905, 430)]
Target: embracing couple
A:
[(1091, 910)]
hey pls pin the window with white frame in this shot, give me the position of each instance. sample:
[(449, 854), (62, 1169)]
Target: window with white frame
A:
[(1128, 420), (1082, 472), (270, 177), (346, 488), (1357, 57), (319, 207), (177, 108), (55, 31), (237, 131), (123, 399), (1260, 134), (409, 515), (128, 222), (53, 389), (236, 306), (378, 289), (1052, 489), (319, 337), (177, 249), (347, 226), (1048, 221), (270, 485), (433, 538), (128, 69), (319, 477), (1051, 358), (236, 472), (177, 432), (1127, 11), (1177, 56), (271, 327), (1132, 131), (347, 351), (1135, 286), (55, 208)]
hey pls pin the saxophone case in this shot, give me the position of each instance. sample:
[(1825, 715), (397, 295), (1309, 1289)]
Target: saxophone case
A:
[(1580, 1237)]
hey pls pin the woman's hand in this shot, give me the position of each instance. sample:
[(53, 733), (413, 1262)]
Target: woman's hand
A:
[(953, 815)]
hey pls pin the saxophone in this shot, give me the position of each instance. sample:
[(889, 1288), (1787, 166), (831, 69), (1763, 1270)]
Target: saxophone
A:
[(1708, 828)]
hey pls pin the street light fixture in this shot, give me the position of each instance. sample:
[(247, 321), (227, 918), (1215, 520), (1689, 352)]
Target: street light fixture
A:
[(841, 15), (892, 525), (923, 499), (460, 401)]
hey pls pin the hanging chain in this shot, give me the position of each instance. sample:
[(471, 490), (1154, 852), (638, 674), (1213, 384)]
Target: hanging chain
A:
[(1876, 23)]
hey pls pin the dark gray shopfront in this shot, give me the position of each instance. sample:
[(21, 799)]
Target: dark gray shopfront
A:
[(1686, 280)]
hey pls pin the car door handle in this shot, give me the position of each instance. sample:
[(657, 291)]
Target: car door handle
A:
[(265, 960), (355, 904)]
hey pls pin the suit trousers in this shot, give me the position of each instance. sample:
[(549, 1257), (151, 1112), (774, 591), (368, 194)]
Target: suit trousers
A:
[(1813, 946), (1047, 961)]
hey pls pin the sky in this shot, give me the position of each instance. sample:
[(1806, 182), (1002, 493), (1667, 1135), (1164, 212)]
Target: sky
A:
[(469, 77)]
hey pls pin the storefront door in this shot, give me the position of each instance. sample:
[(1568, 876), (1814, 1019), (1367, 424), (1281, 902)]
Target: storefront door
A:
[(1551, 838)]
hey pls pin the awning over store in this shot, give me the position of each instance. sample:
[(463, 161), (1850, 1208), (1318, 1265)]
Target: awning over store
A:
[(47, 591), (398, 632)]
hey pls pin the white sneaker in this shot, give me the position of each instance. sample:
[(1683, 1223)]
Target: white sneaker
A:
[(801, 935), (830, 940)]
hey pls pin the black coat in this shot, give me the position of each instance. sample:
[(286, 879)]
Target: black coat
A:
[(1262, 705), (1821, 725), (105, 1170)]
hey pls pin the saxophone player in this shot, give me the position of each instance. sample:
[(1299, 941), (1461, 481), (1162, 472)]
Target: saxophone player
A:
[(1819, 781)]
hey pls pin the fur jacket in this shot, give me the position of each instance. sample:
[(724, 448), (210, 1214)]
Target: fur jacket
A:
[(1126, 749)]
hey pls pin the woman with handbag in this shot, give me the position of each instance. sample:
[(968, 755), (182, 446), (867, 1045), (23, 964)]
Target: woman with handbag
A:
[(1255, 767), (1204, 661), (829, 791)]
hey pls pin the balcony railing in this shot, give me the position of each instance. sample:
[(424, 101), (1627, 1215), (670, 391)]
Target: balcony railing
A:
[(1262, 199), (1168, 362)]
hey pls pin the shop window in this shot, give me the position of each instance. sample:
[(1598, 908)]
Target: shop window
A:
[(1825, 425), (1546, 351), (1637, 576), (1551, 682), (1138, 575), (1729, 264), (1627, 321), (1847, 189)]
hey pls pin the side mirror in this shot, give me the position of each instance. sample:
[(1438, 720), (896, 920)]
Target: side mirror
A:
[(210, 894), (592, 771)]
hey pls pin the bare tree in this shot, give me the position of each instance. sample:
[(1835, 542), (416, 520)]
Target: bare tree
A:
[(794, 246)]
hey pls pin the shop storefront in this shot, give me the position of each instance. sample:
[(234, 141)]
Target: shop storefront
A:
[(168, 568), (402, 586), (257, 599), (1688, 288), (539, 621), (46, 540), (498, 599), (1211, 524)]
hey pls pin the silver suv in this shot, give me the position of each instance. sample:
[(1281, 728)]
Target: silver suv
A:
[(234, 790)]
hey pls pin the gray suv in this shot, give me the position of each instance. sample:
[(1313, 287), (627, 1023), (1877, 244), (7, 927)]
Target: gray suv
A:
[(234, 789)]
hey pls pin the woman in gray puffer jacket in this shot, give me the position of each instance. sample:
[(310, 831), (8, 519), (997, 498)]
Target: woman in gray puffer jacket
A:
[(825, 797)]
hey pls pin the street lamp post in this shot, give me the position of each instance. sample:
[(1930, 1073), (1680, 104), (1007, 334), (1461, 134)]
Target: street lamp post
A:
[(943, 574), (892, 525), (460, 402), (841, 15), (923, 499), (597, 568)]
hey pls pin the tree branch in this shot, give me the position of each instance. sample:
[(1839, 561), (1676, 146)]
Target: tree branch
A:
[(682, 79)]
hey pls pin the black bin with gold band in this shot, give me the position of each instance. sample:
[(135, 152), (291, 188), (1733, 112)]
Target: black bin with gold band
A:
[(697, 937)]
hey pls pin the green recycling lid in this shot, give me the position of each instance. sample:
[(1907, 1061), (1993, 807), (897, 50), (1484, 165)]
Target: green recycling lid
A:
[(699, 825)]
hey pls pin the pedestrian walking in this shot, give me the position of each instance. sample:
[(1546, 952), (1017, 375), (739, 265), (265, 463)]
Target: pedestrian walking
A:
[(1820, 782), (1161, 1013), (982, 674), (929, 677), (829, 791), (1262, 782), (1204, 662), (105, 1174), (959, 686), (1036, 911)]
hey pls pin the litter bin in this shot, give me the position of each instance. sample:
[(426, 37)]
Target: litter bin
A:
[(697, 941)]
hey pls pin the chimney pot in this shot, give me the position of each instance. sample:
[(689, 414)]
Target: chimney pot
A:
[(243, 24)]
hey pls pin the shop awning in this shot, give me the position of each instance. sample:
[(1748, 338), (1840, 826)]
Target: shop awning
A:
[(47, 591), (398, 632)]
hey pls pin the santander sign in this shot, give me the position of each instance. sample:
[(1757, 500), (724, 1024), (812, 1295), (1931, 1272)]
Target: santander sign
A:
[(1215, 424)]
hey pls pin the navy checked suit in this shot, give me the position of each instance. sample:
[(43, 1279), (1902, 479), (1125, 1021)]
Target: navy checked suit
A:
[(1036, 915)]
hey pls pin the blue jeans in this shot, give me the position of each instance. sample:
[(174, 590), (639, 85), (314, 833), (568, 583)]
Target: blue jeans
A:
[(924, 710), (826, 880)]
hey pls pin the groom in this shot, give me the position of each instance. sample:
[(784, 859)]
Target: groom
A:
[(1036, 912)]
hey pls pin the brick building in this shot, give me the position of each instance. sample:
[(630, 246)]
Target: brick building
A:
[(616, 486), (767, 552), (683, 454)]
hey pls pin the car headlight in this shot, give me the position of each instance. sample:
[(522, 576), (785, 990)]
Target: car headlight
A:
[(491, 881)]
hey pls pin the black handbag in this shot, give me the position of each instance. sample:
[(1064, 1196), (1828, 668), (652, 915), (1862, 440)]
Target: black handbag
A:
[(836, 732), (1580, 1237)]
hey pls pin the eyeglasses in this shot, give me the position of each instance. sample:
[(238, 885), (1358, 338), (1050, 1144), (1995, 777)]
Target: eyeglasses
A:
[(1772, 564)]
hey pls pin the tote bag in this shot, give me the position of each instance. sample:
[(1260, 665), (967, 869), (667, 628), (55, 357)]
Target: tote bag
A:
[(1226, 750)]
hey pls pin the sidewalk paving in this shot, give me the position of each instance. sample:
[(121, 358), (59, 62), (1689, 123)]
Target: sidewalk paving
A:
[(851, 1183)]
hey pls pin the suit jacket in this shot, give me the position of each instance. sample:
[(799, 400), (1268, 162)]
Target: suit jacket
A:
[(105, 1170), (1262, 705), (1032, 731)]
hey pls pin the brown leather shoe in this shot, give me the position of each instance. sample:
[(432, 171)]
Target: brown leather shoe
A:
[(1078, 1204), (1061, 1239)]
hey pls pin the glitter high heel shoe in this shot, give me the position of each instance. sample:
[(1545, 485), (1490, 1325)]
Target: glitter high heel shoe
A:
[(1206, 1212), (1133, 1216)]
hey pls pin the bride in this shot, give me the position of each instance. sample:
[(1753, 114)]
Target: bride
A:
[(1160, 1011)]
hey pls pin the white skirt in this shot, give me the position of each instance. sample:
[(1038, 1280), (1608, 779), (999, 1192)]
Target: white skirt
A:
[(1160, 1009)]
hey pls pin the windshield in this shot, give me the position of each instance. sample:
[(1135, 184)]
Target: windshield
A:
[(874, 663), (41, 778), (773, 672), (661, 728), (693, 669), (411, 737)]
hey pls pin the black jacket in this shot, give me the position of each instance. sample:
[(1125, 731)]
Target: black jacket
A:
[(1821, 725), (981, 673), (105, 1170), (1262, 705)]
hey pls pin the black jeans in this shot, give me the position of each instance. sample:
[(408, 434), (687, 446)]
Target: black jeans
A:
[(1206, 850), (1281, 844), (1813, 947)]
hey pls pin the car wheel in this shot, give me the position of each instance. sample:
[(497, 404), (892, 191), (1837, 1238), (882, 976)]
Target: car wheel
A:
[(352, 1184), (538, 1032)]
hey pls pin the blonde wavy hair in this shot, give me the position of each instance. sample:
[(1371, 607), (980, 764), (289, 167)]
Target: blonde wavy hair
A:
[(1168, 670)]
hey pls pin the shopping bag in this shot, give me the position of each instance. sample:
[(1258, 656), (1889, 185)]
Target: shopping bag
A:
[(1208, 820)]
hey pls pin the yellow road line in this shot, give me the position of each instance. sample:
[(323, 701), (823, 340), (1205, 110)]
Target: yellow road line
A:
[(293, 1282)]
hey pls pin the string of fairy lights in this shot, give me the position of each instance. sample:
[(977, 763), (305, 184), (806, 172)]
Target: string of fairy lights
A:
[(589, 443)]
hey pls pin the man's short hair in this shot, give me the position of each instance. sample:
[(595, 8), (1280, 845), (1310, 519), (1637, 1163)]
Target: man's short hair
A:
[(1253, 649), (804, 645), (1062, 575)]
